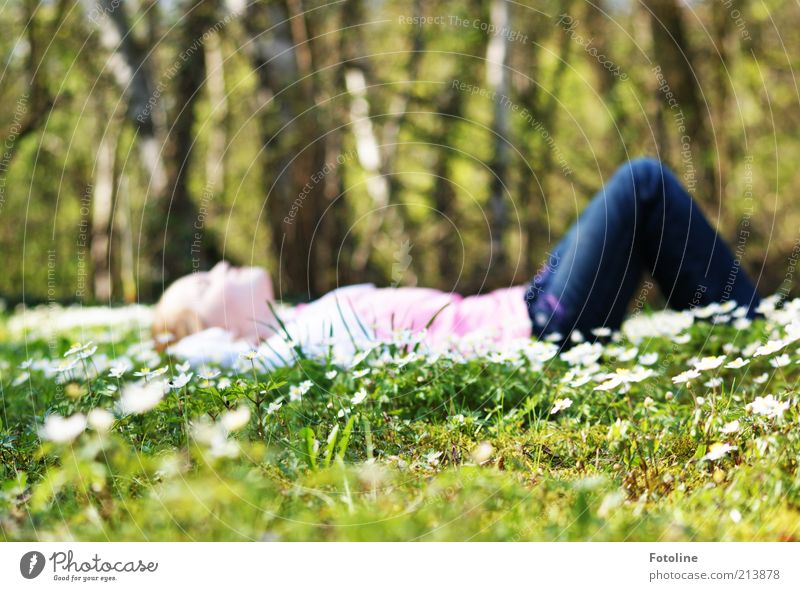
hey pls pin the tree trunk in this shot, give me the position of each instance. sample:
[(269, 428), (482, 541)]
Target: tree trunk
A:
[(102, 208), (678, 65), (497, 82), (539, 153), (218, 103), (444, 196), (127, 64), (35, 105), (185, 246), (597, 23), (293, 151), (127, 257)]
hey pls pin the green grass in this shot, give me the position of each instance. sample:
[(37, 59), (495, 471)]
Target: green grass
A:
[(438, 450)]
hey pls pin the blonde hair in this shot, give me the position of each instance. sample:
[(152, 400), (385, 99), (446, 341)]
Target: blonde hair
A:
[(196, 302), (171, 325), (173, 318)]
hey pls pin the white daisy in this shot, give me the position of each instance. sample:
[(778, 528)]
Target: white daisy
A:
[(208, 374), (737, 363), (78, 348), (769, 348), (767, 406), (717, 451), (148, 373), (233, 420), (780, 361), (180, 381), (560, 404), (60, 430), (707, 363), (762, 378), (100, 419), (139, 398), (685, 376), (648, 359), (358, 397)]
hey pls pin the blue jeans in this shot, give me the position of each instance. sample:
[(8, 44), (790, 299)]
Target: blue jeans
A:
[(641, 220)]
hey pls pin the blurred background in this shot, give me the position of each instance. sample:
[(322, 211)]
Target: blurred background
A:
[(437, 143)]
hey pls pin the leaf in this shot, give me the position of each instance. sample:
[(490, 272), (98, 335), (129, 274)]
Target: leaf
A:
[(307, 437), (345, 440), (331, 444), (701, 451)]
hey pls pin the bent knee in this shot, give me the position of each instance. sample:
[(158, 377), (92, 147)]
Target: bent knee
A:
[(647, 176)]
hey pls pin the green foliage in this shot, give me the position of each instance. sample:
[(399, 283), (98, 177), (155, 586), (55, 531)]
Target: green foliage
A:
[(744, 161)]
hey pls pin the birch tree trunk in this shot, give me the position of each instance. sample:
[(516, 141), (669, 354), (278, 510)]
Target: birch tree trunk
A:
[(126, 63), (497, 82), (127, 255), (102, 208), (218, 103), (375, 155)]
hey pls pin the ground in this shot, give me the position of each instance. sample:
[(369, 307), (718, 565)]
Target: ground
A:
[(681, 427)]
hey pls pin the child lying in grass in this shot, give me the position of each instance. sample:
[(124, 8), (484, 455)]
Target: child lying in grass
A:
[(642, 220)]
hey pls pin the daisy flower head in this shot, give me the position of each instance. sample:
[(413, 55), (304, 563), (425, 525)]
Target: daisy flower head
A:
[(707, 363), (737, 363), (100, 419), (770, 347), (648, 359), (63, 430), (761, 379), (66, 365), (119, 368), (359, 397), (250, 355), (296, 392), (139, 398), (624, 376), (686, 376), (236, 419), (560, 404), (208, 373), (767, 406), (148, 373), (780, 361), (180, 381), (79, 348), (717, 451)]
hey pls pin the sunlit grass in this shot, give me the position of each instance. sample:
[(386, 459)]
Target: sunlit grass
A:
[(398, 443)]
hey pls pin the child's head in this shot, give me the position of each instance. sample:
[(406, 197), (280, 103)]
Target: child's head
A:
[(233, 298)]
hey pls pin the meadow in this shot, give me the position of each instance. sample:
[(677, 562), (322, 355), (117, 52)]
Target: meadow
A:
[(682, 426)]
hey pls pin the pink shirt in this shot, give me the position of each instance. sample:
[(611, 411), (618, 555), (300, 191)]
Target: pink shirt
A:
[(501, 314), (334, 322)]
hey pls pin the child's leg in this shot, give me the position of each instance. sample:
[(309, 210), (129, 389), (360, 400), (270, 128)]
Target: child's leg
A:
[(642, 219), (690, 261)]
